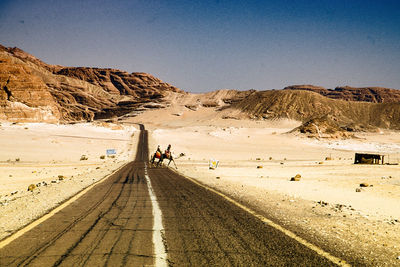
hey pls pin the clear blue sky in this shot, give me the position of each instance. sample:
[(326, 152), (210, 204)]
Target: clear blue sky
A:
[(204, 45)]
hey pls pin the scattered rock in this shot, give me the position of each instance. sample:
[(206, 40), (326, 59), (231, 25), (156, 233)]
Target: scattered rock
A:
[(54, 181), (259, 167), (14, 192), (328, 158), (258, 158), (84, 157), (321, 162), (61, 177), (102, 157), (17, 159), (217, 177), (31, 187), (97, 168), (358, 189), (270, 158), (296, 178), (192, 107)]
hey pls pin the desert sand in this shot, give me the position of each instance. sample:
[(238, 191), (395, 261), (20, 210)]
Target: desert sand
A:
[(49, 156), (257, 159)]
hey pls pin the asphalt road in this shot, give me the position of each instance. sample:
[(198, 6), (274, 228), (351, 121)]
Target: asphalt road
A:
[(113, 225)]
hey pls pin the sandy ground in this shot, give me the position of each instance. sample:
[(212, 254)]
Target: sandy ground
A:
[(258, 158), (256, 161), (49, 156)]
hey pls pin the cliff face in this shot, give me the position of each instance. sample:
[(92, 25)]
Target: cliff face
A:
[(366, 94), (23, 95), (114, 81), (32, 90)]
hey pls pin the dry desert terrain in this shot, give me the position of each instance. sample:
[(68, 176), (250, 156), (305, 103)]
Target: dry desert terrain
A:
[(257, 159)]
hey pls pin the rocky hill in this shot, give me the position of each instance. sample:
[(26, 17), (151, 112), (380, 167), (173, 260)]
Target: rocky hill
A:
[(31, 90), (305, 105), (366, 94)]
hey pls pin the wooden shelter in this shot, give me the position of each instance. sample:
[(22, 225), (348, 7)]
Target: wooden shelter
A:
[(362, 158)]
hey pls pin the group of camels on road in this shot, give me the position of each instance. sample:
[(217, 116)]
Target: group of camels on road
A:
[(161, 156)]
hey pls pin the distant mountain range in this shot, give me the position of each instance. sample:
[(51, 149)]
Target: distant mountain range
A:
[(31, 90), (366, 94)]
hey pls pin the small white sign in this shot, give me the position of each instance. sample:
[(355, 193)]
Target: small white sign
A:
[(213, 164), (111, 152)]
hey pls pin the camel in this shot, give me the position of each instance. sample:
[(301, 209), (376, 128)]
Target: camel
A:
[(162, 156), (156, 155)]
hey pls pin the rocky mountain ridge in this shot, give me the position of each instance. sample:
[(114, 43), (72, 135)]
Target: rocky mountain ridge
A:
[(31, 90), (365, 94), (314, 109)]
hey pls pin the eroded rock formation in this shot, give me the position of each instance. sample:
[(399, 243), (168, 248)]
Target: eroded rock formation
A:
[(366, 94), (32, 90)]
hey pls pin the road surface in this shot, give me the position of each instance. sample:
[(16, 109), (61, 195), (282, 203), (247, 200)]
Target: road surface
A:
[(117, 223)]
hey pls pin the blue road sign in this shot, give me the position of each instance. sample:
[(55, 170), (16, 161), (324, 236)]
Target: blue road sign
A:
[(111, 152)]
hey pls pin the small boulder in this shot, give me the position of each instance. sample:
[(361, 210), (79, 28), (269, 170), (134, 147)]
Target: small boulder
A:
[(296, 178), (358, 190), (259, 167), (31, 187), (364, 185)]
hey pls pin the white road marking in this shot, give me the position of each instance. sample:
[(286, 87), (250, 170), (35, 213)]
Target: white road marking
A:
[(287, 232), (158, 228)]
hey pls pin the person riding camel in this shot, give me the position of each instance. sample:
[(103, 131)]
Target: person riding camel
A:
[(168, 151), (158, 152)]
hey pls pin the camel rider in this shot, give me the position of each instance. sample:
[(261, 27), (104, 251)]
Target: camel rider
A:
[(168, 151), (158, 152)]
